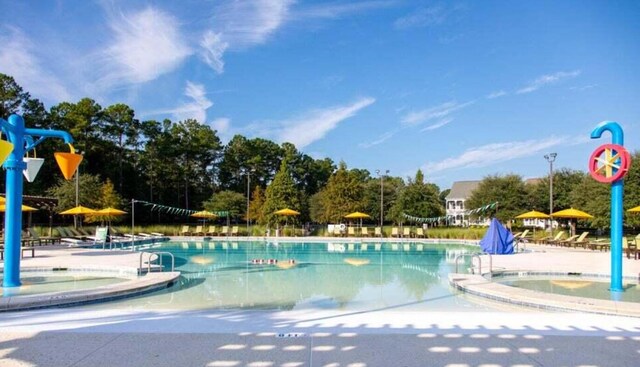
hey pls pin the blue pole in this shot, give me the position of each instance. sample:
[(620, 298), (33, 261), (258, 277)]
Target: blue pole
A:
[(13, 215), (617, 190)]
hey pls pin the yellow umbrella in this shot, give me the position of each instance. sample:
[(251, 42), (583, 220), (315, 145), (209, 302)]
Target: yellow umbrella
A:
[(288, 212), (2, 199), (78, 210), (533, 215), (634, 210), (357, 215), (204, 214), (25, 208), (572, 214), (110, 212)]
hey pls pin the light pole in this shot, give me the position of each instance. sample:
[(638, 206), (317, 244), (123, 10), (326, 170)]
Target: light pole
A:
[(248, 199), (386, 172), (75, 217), (551, 157)]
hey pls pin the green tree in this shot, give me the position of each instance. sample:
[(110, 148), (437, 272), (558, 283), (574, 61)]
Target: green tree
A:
[(564, 182), (65, 192), (343, 194), (419, 199), (632, 191), (11, 96), (120, 127), (509, 191), (233, 202), (593, 197), (281, 193)]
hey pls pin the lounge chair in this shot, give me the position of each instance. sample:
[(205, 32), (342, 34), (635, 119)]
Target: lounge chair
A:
[(378, 232), (69, 238), (364, 232), (351, 231), (224, 231), (185, 231), (23, 249), (199, 231), (552, 240), (419, 233), (406, 232), (566, 242), (580, 241), (235, 231), (394, 232), (46, 240), (212, 231)]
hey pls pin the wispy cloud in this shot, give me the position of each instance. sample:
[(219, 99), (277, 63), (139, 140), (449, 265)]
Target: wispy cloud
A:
[(223, 127), (548, 79), (311, 126), (438, 124), (338, 9), (437, 112), (213, 48), (195, 108), (146, 45), (583, 88), (496, 94), (489, 154), (427, 17), (18, 59), (381, 139)]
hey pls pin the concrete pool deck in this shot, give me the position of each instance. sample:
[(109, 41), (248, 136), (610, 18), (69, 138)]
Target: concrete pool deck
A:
[(86, 336)]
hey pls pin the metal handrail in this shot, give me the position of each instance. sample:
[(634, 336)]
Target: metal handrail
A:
[(479, 262), (157, 253)]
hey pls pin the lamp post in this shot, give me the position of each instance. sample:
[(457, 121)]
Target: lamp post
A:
[(386, 172), (551, 157), (248, 199)]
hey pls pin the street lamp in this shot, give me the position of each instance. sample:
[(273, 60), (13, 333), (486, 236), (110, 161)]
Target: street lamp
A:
[(248, 173), (551, 157), (386, 172)]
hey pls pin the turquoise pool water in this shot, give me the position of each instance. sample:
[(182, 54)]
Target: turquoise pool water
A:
[(577, 286), (46, 282), (341, 275)]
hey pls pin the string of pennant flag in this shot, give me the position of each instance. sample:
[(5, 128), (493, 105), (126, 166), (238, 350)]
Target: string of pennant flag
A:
[(174, 210), (483, 209)]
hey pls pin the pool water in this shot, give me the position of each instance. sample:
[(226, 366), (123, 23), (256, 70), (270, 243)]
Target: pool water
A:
[(578, 287), (45, 282), (342, 276)]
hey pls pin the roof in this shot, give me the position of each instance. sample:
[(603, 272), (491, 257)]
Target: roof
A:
[(462, 189), (532, 181)]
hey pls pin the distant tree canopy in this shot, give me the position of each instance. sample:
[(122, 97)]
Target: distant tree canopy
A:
[(184, 164)]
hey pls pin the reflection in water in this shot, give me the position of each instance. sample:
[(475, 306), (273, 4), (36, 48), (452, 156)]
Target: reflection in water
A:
[(285, 275)]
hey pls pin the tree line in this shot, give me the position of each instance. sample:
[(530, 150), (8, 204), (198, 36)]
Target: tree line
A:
[(184, 164)]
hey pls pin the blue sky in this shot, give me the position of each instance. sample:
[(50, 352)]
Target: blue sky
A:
[(458, 89)]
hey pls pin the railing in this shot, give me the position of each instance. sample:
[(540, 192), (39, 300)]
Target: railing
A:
[(476, 255), (157, 254)]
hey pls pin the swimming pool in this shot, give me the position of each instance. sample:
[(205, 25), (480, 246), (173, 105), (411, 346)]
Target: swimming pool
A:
[(349, 275), (577, 286), (50, 281)]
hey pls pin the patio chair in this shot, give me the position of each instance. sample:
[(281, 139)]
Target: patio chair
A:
[(351, 231), (212, 231), (378, 232), (224, 231), (364, 232), (235, 231), (185, 231), (550, 240), (580, 241), (23, 249), (420, 233), (566, 242), (395, 232), (199, 231), (43, 239), (406, 232)]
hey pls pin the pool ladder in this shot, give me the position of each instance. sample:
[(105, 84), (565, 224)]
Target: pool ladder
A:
[(157, 254), (476, 255)]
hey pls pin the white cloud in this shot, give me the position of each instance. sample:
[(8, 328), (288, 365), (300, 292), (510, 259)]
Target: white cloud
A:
[(489, 154), (418, 117), (18, 59), (196, 108), (146, 45), (213, 48), (223, 127), (438, 124), (496, 94), (338, 9), (381, 139), (311, 126), (548, 79), (427, 16)]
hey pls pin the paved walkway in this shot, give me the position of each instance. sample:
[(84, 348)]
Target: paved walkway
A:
[(92, 336)]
